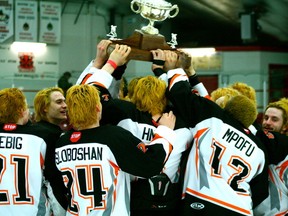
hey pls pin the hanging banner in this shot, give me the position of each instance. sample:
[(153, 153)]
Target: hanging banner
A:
[(26, 21), (50, 22), (6, 20)]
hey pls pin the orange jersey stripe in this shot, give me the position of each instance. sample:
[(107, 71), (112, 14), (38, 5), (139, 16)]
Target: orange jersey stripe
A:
[(41, 161), (283, 167), (208, 97), (220, 202), (281, 213), (86, 78), (116, 171)]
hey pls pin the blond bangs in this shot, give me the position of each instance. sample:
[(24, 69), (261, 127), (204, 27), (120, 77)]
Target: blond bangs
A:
[(246, 90), (41, 102), (219, 92)]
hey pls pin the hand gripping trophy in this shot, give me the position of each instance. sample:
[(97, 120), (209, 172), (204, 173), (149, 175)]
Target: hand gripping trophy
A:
[(148, 38)]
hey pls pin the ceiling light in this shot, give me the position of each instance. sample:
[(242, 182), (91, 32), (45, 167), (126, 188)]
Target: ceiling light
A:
[(36, 48), (198, 52)]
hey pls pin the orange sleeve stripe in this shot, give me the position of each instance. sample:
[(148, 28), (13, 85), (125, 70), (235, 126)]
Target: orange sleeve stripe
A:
[(86, 78), (41, 160), (208, 97), (283, 167), (170, 148), (156, 136), (228, 205), (173, 79), (142, 147), (116, 171), (197, 137), (271, 176), (281, 213)]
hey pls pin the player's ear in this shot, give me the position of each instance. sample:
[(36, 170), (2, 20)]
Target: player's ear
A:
[(99, 107), (285, 129)]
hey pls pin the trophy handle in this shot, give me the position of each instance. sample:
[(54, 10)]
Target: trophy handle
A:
[(174, 7), (132, 6)]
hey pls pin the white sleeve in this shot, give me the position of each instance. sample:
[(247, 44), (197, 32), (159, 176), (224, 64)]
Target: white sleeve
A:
[(84, 73), (178, 74), (56, 208), (252, 129), (100, 77), (200, 88), (164, 77)]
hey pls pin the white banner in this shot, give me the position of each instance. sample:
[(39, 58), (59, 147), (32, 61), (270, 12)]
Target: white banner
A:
[(26, 21), (50, 22), (27, 65), (6, 19)]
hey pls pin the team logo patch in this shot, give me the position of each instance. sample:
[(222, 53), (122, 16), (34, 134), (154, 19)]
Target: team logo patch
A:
[(75, 136), (105, 97), (9, 127), (197, 206), (142, 147)]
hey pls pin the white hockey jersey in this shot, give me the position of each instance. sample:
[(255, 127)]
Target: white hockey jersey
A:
[(95, 164), (22, 158), (226, 169)]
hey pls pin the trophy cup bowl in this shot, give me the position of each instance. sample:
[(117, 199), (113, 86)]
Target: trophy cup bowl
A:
[(148, 38), (153, 11)]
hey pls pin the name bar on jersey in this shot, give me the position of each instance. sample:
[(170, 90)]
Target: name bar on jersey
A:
[(239, 142), (10, 142), (79, 153)]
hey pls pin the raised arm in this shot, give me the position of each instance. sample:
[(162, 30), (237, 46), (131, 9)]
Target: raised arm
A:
[(98, 62), (118, 57), (102, 54)]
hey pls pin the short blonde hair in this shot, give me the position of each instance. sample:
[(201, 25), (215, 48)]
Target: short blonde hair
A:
[(235, 107), (284, 101), (82, 102), (42, 100), (225, 93), (13, 103), (246, 90), (280, 105), (150, 95), (131, 86)]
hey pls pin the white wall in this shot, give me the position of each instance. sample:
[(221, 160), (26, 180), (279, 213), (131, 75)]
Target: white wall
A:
[(77, 48), (250, 67)]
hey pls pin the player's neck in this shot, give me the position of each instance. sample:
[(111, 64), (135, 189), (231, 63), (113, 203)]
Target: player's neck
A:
[(156, 117)]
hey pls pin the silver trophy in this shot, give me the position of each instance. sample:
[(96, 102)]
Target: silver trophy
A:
[(153, 10)]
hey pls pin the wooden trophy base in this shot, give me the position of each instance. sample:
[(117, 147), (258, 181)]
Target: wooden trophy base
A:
[(142, 43)]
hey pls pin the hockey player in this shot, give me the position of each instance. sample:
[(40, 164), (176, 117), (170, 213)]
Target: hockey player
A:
[(226, 169), (276, 203), (51, 115), (22, 157), (275, 117), (158, 195), (95, 160)]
